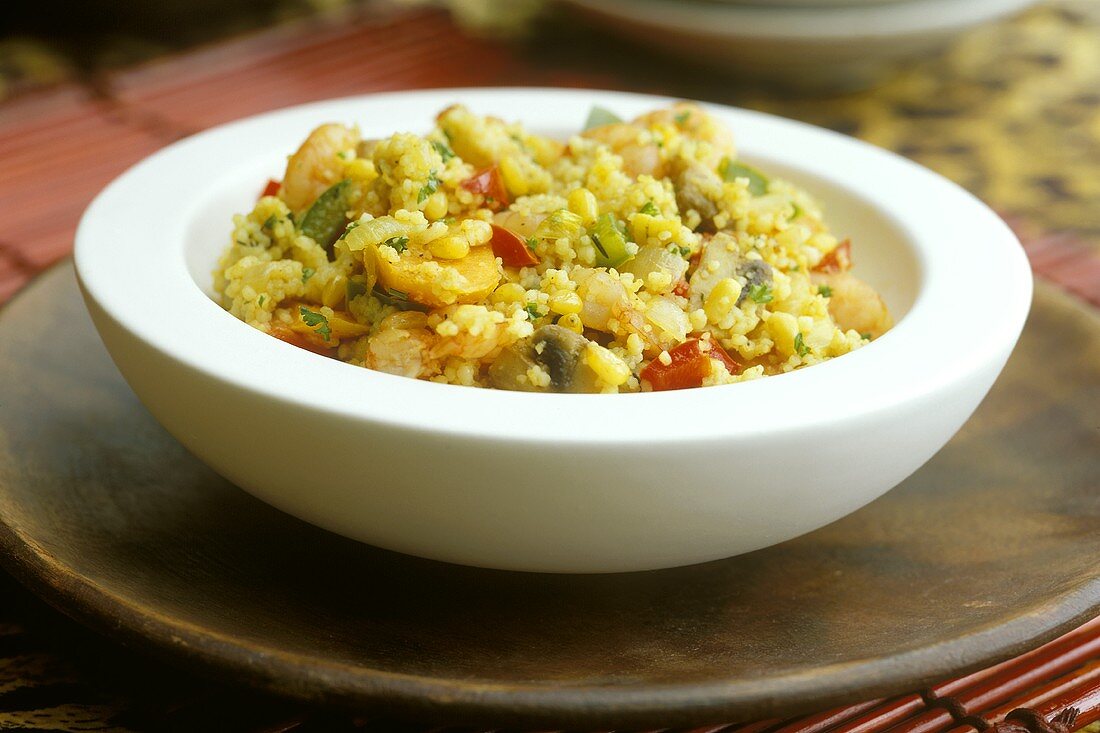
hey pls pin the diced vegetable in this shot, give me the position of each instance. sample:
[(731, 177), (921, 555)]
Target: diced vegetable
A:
[(731, 171), (477, 275), (488, 183), (657, 258), (327, 217), (512, 250), (612, 249), (839, 260), (561, 223), (598, 117), (272, 188), (688, 365)]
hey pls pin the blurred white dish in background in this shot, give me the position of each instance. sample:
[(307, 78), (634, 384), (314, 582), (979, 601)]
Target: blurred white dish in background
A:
[(819, 47)]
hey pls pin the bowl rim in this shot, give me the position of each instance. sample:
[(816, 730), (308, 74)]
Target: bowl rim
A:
[(899, 18), (974, 271)]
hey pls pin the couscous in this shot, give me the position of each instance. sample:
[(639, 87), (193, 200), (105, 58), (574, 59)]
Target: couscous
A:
[(635, 256)]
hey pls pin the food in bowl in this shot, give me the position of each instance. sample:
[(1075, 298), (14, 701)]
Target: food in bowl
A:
[(636, 256)]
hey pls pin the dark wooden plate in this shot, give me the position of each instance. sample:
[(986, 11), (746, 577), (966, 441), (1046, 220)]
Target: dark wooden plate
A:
[(991, 548)]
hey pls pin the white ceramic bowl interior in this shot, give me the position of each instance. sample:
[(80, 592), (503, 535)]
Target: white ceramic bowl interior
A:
[(548, 482), (816, 47)]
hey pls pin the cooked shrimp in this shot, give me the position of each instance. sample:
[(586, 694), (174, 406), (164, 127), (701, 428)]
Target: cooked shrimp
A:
[(402, 351), (634, 144), (316, 165), (855, 305), (696, 123)]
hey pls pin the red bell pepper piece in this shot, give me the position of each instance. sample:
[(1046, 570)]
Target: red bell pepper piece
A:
[(839, 260), (272, 188), (488, 183), (689, 366), (512, 250)]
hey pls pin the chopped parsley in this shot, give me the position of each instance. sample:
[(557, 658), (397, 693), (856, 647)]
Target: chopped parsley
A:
[(270, 222), (800, 346), (685, 251), (348, 228), (444, 150), (428, 188), (398, 243), (650, 209), (397, 298), (761, 293), (533, 310), (532, 243), (865, 336), (307, 273), (260, 302), (825, 291), (682, 117), (316, 321)]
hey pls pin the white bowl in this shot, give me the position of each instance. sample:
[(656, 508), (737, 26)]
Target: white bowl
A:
[(554, 482), (813, 48)]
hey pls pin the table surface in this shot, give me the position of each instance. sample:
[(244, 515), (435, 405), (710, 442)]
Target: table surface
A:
[(1011, 111)]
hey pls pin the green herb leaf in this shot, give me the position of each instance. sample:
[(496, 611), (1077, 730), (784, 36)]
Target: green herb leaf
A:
[(865, 336), (533, 310), (761, 293), (260, 300), (327, 218), (731, 171), (398, 243), (598, 117), (825, 291), (307, 273), (532, 243), (650, 209), (444, 150), (428, 188), (316, 321), (800, 346), (797, 211), (682, 117), (397, 298), (354, 289), (348, 228), (685, 251), (270, 222)]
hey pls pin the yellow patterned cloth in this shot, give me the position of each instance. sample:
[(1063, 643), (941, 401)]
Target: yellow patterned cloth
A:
[(1011, 111)]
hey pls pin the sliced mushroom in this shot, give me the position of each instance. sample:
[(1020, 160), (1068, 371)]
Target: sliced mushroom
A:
[(698, 187), (557, 350), (721, 258), (754, 273)]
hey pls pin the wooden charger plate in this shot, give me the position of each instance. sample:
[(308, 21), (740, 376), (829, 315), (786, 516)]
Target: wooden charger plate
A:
[(987, 551)]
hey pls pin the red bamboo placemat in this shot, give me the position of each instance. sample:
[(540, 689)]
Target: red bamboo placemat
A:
[(60, 146)]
